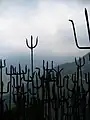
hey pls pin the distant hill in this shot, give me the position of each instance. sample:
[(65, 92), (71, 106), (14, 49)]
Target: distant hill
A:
[(71, 67)]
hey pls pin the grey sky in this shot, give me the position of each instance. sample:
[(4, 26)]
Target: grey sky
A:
[(47, 19)]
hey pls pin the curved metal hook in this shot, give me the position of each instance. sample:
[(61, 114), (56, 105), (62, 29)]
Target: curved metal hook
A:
[(75, 36), (87, 21)]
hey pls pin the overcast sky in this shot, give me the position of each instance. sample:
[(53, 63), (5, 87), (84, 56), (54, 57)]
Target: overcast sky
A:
[(47, 19)]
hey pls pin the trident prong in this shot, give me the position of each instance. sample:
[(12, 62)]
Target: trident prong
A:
[(80, 64), (31, 47), (74, 31)]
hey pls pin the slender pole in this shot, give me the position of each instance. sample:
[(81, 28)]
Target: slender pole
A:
[(32, 47)]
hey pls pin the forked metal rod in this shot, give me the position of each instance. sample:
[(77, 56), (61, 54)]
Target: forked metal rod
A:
[(32, 47), (1, 67)]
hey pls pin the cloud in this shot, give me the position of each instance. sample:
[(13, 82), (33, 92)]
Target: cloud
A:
[(47, 20), (82, 1)]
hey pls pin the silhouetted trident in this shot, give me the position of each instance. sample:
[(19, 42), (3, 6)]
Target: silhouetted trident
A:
[(32, 47), (75, 36)]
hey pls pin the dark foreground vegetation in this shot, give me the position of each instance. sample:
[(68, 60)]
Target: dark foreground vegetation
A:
[(46, 94)]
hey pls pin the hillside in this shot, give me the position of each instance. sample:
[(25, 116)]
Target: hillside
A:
[(71, 67)]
